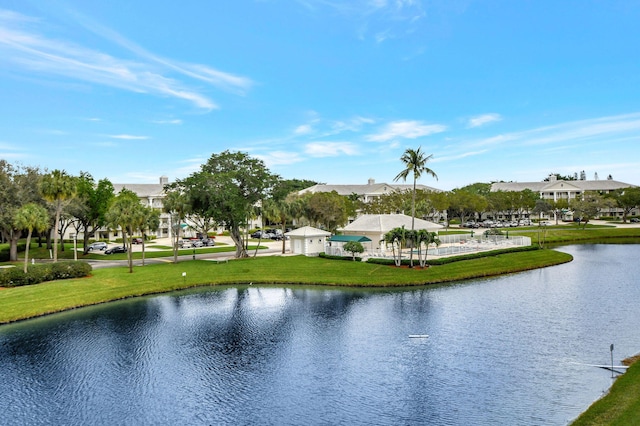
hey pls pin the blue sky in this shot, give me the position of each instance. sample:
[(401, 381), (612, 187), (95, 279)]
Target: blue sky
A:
[(328, 90)]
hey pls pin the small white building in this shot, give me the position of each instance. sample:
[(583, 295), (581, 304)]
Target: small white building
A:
[(374, 226), (307, 240)]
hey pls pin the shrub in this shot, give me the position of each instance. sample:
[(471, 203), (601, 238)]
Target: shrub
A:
[(331, 257), (14, 277)]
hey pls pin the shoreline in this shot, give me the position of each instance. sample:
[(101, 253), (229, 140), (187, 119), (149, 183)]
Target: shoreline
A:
[(112, 284)]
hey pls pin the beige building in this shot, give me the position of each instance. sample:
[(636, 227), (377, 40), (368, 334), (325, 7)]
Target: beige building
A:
[(365, 193), (557, 189), (151, 195)]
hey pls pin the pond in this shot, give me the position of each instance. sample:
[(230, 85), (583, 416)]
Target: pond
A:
[(511, 350)]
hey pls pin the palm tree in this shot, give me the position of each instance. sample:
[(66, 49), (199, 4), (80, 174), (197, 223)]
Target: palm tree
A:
[(415, 163), (57, 187), (126, 213), (176, 203), (31, 217), (396, 238), (425, 237)]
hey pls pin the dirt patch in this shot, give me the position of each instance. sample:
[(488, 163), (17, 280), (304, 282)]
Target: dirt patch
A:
[(631, 359)]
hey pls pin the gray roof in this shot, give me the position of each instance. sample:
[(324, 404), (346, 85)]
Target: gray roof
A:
[(383, 223), (141, 189), (370, 188), (308, 231), (583, 185)]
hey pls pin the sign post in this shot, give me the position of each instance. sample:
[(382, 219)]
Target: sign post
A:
[(611, 350)]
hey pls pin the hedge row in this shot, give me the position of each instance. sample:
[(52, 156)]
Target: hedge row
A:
[(331, 257), (451, 259), (14, 277)]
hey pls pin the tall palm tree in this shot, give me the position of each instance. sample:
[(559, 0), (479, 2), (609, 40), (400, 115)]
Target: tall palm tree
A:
[(415, 162), (31, 217), (58, 188)]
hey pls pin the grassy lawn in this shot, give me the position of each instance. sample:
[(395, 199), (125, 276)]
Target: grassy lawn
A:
[(621, 406), (116, 283)]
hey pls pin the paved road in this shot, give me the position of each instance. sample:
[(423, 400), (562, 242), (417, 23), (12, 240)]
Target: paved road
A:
[(273, 248)]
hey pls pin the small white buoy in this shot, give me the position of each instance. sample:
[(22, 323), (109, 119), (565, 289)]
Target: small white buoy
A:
[(418, 336)]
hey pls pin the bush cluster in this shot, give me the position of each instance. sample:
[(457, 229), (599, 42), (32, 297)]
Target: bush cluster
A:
[(331, 257), (14, 277)]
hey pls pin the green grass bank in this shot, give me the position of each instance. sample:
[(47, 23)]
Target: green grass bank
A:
[(619, 407), (117, 283)]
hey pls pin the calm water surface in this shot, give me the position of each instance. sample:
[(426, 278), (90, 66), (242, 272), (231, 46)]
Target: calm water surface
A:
[(503, 351)]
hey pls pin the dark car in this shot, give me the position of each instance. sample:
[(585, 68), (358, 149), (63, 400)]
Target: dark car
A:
[(117, 249), (136, 240)]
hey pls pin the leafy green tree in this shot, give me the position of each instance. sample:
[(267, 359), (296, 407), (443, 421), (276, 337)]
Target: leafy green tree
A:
[(558, 207), (415, 162), (126, 213), (326, 209), (58, 188), (463, 204), (479, 188), (18, 186), (353, 247), (626, 199), (90, 205), (497, 202), (31, 217), (285, 187), (526, 201), (281, 212), (227, 188), (589, 206), (542, 207)]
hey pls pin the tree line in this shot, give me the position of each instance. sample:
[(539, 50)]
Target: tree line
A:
[(232, 188)]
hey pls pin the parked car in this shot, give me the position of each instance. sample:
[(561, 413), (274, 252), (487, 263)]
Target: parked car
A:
[(98, 245), (634, 220), (257, 234), (185, 244), (136, 240), (116, 249), (209, 242), (197, 243)]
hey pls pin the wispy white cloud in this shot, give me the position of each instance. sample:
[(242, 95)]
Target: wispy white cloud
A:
[(175, 122), (303, 129), (129, 137), (383, 19), (321, 128), (24, 45), (458, 156), (330, 149), (409, 129), (483, 119), (279, 158), (602, 129)]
